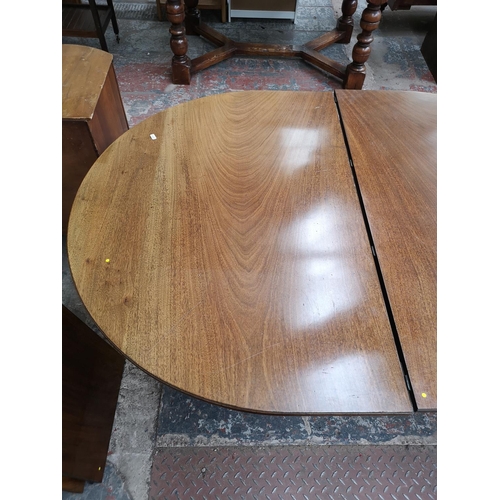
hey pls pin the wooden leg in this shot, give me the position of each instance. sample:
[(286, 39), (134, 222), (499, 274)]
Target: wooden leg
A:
[(114, 22), (158, 10), (223, 12), (192, 16), (98, 25), (345, 23), (356, 71), (181, 64)]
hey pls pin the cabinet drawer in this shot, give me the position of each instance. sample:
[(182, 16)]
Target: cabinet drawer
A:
[(275, 5), (276, 9)]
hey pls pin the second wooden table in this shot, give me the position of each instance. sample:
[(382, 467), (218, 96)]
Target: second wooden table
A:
[(220, 245)]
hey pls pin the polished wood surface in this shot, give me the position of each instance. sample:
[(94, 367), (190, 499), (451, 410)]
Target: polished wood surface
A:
[(91, 377), (392, 137), (92, 115), (228, 257)]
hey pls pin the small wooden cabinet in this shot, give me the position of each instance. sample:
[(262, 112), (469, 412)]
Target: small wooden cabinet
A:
[(92, 115)]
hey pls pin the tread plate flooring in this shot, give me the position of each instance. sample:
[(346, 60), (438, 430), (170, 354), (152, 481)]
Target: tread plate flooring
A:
[(295, 472)]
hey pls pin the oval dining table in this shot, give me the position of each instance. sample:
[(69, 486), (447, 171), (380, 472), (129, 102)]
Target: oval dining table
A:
[(270, 251)]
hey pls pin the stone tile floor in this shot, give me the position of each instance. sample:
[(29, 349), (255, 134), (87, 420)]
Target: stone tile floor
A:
[(142, 57), (149, 415)]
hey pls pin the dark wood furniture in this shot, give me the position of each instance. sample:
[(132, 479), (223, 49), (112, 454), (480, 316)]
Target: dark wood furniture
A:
[(189, 22), (91, 377), (89, 20), (429, 48), (406, 4), (92, 115), (235, 264), (202, 4)]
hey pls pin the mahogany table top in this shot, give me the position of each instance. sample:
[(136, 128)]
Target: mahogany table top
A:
[(221, 247), (398, 182)]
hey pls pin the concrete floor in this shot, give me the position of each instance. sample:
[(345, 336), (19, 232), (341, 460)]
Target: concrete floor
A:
[(149, 415)]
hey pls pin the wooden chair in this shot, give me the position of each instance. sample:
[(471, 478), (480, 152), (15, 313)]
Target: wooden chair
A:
[(89, 20)]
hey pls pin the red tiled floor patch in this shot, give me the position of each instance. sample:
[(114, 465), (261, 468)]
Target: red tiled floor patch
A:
[(243, 73), (144, 77), (295, 472)]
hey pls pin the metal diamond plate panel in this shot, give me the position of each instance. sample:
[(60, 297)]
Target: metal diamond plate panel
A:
[(320, 473)]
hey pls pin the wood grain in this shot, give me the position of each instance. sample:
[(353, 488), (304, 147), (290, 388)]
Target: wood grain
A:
[(84, 70), (92, 115), (109, 120), (393, 140), (78, 155), (229, 259)]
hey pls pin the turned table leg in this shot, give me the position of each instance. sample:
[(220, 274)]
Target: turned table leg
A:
[(181, 64), (356, 71), (345, 23)]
